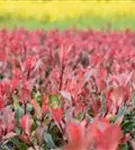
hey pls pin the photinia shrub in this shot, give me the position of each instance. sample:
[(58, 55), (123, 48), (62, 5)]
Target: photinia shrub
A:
[(70, 90)]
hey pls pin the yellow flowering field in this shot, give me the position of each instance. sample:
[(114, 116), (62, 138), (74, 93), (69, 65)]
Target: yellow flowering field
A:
[(61, 10)]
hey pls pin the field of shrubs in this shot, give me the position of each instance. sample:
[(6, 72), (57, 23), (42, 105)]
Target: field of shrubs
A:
[(70, 90)]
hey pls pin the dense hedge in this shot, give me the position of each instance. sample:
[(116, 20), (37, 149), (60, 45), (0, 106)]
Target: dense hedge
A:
[(71, 90)]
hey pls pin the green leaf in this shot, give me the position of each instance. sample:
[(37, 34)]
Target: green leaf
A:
[(103, 104), (1, 76), (17, 130), (54, 98), (37, 95), (16, 102), (49, 141), (124, 147), (122, 111), (34, 125), (5, 147), (29, 107), (55, 101), (18, 144), (18, 113), (80, 116)]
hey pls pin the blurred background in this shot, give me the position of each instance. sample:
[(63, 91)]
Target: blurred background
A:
[(48, 14)]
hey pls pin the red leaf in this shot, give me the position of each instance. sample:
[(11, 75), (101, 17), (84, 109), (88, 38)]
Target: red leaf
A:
[(13, 84), (8, 119), (101, 84), (102, 128), (25, 138), (2, 103), (78, 137), (44, 104), (25, 95), (26, 122), (118, 95), (57, 114)]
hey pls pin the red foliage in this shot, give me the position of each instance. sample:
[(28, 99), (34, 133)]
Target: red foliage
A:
[(90, 72), (57, 114), (78, 137), (26, 122), (106, 135)]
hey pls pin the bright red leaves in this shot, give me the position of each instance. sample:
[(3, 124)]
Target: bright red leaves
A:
[(78, 137), (57, 114), (100, 135), (26, 122), (106, 136)]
